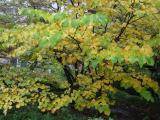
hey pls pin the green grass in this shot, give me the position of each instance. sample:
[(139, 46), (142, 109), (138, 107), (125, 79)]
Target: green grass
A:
[(32, 113)]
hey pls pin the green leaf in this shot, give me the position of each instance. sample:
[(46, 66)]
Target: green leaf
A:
[(66, 23), (55, 39), (95, 62), (43, 43), (150, 61), (85, 20), (133, 59), (147, 95), (120, 58), (105, 108), (59, 16), (9, 82), (101, 19), (75, 23), (141, 61), (114, 59)]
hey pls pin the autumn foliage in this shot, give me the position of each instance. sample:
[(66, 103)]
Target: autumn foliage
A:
[(83, 55)]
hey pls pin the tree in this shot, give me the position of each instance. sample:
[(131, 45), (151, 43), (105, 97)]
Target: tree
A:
[(98, 48)]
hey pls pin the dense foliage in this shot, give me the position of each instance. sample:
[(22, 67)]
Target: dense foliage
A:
[(84, 55)]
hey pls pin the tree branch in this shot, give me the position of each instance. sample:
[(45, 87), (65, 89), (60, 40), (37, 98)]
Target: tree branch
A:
[(77, 42), (124, 28)]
